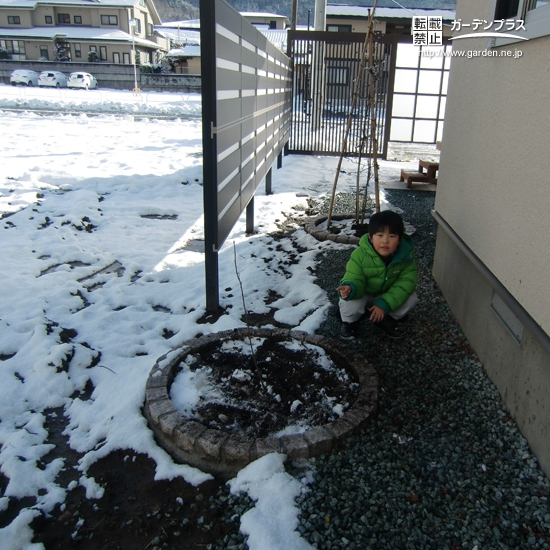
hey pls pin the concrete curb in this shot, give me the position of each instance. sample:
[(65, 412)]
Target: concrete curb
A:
[(224, 454)]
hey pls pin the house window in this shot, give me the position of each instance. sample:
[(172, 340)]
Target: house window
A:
[(93, 49), (109, 19), (15, 46), (142, 3), (64, 18), (77, 50), (339, 28), (149, 29), (534, 13), (506, 9), (48, 19), (126, 58), (337, 76), (44, 52), (138, 26), (510, 9), (14, 20), (116, 57), (77, 20), (103, 53)]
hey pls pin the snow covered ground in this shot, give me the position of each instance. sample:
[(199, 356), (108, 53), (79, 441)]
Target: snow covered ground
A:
[(100, 275), (101, 101)]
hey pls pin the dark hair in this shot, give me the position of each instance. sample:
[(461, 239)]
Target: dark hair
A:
[(386, 219)]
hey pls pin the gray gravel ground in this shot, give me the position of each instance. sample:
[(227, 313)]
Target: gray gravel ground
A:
[(443, 466)]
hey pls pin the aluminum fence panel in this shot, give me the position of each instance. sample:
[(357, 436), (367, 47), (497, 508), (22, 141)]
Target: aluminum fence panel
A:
[(246, 113)]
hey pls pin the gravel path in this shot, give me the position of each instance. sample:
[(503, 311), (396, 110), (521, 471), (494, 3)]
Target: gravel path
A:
[(444, 465)]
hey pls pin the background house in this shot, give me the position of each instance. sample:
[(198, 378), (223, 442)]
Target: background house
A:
[(184, 37), (186, 59), (60, 30), (264, 21), (493, 205), (184, 53), (389, 20)]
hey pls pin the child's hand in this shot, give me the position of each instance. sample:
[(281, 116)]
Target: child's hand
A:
[(376, 314), (344, 290)]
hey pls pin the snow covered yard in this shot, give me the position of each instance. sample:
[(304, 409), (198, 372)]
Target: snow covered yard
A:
[(102, 272), (98, 280), (100, 101)]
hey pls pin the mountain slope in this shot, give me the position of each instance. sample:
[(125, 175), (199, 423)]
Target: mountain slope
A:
[(178, 10)]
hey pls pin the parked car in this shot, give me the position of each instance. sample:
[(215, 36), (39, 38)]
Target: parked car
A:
[(24, 76), (52, 78), (82, 80)]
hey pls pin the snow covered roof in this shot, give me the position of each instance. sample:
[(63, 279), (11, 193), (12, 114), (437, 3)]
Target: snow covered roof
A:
[(77, 33), (179, 31), (387, 13), (186, 51), (408, 4), (192, 48), (186, 24), (182, 36), (278, 37), (31, 4), (262, 14), (196, 23)]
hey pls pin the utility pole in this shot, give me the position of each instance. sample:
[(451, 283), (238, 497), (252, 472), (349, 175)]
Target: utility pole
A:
[(294, 16), (318, 67), (320, 15)]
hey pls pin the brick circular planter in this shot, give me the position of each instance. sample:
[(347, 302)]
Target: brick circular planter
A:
[(224, 454), (312, 227)]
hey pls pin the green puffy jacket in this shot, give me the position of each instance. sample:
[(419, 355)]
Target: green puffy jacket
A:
[(367, 274)]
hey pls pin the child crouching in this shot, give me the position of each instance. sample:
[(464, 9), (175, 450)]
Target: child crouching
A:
[(381, 277)]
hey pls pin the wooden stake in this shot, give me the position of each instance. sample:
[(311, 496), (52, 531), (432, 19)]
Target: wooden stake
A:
[(374, 139), (353, 100)]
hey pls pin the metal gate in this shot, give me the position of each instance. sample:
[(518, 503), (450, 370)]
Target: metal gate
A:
[(326, 69)]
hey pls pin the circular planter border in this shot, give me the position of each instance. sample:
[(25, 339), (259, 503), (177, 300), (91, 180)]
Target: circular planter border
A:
[(312, 227), (224, 454)]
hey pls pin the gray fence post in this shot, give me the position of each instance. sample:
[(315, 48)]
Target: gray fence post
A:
[(268, 190), (250, 217)]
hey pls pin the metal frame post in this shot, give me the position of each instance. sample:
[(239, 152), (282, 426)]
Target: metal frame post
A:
[(210, 191), (268, 190), (250, 217)]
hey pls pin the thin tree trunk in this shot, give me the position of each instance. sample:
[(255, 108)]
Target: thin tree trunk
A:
[(353, 100)]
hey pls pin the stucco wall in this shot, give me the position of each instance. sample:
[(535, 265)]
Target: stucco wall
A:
[(493, 207), (493, 183), (521, 373)]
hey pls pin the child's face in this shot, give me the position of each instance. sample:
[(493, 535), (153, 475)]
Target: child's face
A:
[(384, 242)]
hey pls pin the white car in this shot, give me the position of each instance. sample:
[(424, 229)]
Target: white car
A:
[(24, 76), (52, 78), (82, 80)]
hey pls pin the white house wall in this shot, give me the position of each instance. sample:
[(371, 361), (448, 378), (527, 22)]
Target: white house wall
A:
[(493, 184), (493, 206)]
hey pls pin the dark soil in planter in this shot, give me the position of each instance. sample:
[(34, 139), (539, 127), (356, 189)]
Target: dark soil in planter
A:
[(360, 229), (285, 383)]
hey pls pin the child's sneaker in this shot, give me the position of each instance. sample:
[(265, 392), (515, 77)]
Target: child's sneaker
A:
[(348, 331), (389, 327)]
